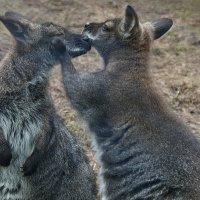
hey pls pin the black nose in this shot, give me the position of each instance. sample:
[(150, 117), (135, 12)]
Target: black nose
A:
[(87, 25)]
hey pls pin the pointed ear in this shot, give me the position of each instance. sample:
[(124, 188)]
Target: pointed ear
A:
[(130, 20), (17, 25), (161, 26)]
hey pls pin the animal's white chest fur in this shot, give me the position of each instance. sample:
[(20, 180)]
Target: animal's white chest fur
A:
[(99, 152), (20, 134)]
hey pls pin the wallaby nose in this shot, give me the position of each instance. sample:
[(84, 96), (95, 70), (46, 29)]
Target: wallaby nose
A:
[(87, 25)]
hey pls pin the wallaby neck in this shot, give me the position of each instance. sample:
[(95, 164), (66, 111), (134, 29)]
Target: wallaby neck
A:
[(127, 57), (32, 61), (22, 66), (134, 97)]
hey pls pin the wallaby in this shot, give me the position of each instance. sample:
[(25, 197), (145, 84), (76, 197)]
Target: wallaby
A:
[(144, 150), (32, 136)]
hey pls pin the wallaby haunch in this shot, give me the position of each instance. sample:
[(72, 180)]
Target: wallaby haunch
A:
[(32, 137), (144, 150)]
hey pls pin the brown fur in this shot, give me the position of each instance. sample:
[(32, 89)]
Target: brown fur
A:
[(144, 150), (53, 163)]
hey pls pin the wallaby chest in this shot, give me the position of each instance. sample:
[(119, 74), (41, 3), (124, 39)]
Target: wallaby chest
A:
[(20, 128)]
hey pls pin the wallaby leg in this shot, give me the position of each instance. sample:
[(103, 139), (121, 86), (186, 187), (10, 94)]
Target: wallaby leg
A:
[(42, 141), (5, 151)]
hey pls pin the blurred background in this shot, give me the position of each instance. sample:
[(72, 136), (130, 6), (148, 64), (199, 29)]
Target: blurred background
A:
[(175, 60)]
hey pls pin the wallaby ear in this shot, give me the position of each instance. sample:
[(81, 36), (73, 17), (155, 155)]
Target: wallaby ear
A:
[(161, 26), (130, 20), (17, 25)]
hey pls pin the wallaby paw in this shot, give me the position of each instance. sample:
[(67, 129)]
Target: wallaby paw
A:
[(30, 165), (5, 157)]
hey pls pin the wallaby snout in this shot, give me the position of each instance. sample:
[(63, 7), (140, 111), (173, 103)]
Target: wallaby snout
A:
[(78, 45), (91, 31)]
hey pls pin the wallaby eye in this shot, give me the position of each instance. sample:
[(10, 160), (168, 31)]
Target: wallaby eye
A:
[(104, 28), (55, 34), (59, 34), (107, 26)]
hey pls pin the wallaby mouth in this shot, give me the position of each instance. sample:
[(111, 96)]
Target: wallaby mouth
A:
[(86, 38), (79, 46)]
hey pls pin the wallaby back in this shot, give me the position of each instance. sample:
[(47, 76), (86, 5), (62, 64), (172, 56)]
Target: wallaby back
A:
[(144, 150)]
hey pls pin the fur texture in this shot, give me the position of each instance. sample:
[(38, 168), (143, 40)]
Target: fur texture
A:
[(144, 150), (47, 162)]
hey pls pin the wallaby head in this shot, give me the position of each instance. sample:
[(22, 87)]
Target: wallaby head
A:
[(124, 33), (30, 36)]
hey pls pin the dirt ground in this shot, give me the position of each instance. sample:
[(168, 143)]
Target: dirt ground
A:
[(175, 60)]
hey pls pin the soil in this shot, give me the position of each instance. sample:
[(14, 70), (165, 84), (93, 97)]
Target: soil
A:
[(175, 59)]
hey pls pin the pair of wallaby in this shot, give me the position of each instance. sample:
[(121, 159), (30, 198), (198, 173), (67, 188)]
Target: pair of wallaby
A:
[(32, 136), (145, 151)]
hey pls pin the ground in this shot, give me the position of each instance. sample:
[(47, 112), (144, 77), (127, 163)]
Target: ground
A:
[(175, 59)]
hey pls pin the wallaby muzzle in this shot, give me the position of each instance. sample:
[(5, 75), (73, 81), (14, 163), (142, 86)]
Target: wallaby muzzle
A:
[(77, 45)]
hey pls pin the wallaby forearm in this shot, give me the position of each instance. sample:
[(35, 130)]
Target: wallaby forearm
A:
[(81, 88), (67, 66), (70, 77)]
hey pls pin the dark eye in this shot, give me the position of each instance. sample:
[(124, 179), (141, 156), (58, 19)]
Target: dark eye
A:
[(55, 34), (104, 28), (59, 34)]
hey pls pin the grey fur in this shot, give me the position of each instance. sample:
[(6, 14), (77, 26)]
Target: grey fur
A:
[(145, 151), (53, 164)]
